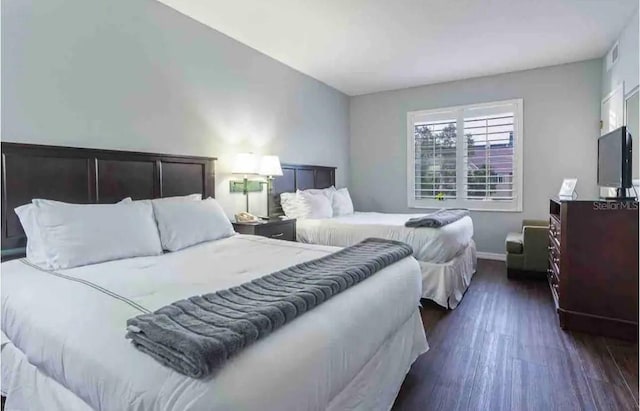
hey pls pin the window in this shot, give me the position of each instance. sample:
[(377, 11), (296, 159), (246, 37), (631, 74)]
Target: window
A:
[(467, 156)]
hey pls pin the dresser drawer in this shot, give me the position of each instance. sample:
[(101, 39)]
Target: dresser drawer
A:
[(553, 273), (554, 284), (554, 254), (284, 231), (554, 230)]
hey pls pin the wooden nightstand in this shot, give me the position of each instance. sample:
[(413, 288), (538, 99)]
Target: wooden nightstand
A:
[(277, 229)]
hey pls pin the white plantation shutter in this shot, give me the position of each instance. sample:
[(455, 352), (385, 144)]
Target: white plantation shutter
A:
[(468, 156), (435, 158), (489, 155)]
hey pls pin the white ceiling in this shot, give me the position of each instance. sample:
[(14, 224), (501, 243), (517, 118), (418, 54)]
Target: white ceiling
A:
[(363, 46)]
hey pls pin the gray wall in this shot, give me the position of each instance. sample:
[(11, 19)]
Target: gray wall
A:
[(626, 69), (561, 116), (137, 75)]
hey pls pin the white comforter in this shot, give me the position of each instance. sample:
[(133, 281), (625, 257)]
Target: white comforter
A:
[(435, 245), (74, 333)]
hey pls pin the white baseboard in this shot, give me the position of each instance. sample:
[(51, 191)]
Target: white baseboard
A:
[(491, 256)]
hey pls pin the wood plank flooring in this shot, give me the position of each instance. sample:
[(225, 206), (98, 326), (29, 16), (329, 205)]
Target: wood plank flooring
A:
[(502, 349)]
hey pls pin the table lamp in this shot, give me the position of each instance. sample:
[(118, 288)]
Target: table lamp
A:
[(270, 167), (245, 164)]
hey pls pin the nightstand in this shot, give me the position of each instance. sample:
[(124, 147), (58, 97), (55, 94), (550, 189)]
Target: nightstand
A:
[(277, 229)]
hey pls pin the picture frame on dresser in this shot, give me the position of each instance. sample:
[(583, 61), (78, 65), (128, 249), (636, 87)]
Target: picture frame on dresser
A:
[(567, 189)]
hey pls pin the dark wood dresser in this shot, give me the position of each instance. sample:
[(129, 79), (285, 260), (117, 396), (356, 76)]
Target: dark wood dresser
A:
[(593, 266)]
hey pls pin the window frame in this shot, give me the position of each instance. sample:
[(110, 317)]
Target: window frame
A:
[(514, 205)]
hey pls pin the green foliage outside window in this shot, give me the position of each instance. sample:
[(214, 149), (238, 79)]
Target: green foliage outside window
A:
[(478, 181)]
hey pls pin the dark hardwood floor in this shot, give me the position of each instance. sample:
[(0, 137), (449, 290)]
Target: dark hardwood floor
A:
[(502, 349)]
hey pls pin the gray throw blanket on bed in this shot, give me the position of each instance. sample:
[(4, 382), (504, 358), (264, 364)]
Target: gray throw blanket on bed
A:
[(438, 219), (197, 335)]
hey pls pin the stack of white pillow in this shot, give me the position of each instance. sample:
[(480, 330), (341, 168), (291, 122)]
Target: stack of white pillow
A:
[(317, 203), (62, 235)]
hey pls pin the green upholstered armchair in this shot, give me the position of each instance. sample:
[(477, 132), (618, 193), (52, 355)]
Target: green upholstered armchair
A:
[(527, 251)]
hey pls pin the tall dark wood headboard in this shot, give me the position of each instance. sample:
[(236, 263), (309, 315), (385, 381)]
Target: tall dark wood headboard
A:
[(299, 177), (82, 175)]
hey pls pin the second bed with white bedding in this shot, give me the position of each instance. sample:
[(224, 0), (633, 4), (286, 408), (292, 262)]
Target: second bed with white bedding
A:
[(65, 335), (447, 255), (434, 245)]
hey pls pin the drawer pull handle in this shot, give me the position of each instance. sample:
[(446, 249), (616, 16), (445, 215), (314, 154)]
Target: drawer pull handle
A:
[(277, 235)]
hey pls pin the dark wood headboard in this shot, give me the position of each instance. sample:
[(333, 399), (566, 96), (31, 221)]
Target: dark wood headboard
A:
[(299, 177), (82, 175)]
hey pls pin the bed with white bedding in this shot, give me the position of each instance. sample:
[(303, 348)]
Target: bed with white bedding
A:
[(446, 255), (91, 267), (325, 216), (64, 346), (434, 245)]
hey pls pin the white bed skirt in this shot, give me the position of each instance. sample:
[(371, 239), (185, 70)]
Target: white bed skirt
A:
[(375, 387), (445, 284)]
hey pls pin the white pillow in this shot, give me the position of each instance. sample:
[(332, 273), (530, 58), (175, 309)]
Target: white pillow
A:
[(186, 223), (36, 252), (341, 202), (190, 197), (80, 234), (318, 204), (293, 206), (308, 203), (326, 191)]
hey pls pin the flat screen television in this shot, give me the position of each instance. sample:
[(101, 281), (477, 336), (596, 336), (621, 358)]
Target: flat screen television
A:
[(614, 160)]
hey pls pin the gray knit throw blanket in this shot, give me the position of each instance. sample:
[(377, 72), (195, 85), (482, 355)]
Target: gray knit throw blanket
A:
[(438, 218), (197, 335)]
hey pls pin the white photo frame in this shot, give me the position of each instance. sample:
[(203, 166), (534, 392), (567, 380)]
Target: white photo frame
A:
[(568, 188)]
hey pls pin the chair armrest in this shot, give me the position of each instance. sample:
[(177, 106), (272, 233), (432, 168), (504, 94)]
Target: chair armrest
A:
[(535, 243), (535, 223)]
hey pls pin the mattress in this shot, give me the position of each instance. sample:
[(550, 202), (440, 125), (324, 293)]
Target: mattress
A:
[(65, 334), (435, 245)]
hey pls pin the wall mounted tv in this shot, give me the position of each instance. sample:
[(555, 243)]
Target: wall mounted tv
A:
[(614, 161)]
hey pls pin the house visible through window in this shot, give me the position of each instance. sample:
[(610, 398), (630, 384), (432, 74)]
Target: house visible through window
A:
[(467, 156)]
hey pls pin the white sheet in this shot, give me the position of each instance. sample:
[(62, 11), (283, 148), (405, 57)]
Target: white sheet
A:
[(74, 334), (435, 245), (369, 390)]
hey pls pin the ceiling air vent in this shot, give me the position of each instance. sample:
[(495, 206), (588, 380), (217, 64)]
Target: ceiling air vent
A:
[(612, 56)]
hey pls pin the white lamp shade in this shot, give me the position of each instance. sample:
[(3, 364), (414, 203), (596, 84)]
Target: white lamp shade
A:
[(270, 166), (245, 163)]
